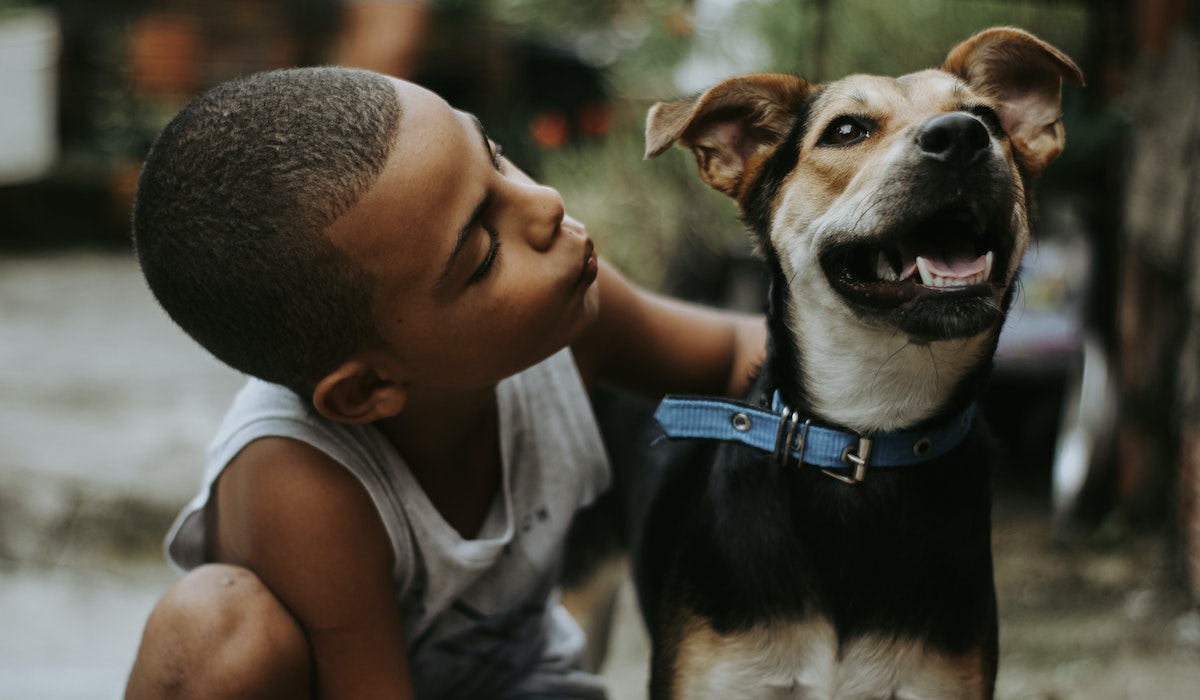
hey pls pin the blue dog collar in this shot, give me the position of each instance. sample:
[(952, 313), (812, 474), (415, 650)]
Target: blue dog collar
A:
[(782, 432)]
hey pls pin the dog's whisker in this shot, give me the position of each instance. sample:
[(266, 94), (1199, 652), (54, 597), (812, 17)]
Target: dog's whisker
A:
[(892, 356), (937, 376)]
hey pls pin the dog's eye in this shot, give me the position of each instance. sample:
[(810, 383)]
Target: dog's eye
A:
[(844, 131)]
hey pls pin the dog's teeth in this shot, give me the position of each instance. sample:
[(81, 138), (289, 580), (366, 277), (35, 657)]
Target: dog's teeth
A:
[(927, 278), (883, 268), (931, 279)]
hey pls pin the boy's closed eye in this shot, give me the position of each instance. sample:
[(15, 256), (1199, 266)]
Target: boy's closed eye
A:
[(489, 258), (478, 219), (498, 159), (493, 250)]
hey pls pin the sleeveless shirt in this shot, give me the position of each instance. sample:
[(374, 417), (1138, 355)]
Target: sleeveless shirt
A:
[(480, 616)]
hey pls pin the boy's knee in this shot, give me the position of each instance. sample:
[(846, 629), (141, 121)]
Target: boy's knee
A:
[(220, 632)]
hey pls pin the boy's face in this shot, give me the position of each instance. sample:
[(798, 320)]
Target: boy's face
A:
[(478, 275)]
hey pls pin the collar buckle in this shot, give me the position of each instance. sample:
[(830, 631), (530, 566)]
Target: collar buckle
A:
[(856, 460)]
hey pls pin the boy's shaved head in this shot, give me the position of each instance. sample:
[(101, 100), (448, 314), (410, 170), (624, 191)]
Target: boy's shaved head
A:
[(231, 211)]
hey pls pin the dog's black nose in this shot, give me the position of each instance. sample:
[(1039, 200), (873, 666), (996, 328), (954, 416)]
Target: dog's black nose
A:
[(956, 139)]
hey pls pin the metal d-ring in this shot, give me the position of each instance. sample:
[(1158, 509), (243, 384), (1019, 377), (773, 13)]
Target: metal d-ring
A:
[(783, 438), (786, 439)]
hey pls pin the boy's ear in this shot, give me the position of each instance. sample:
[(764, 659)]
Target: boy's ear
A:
[(356, 393)]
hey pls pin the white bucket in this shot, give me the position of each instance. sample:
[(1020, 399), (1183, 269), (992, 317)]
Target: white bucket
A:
[(29, 46)]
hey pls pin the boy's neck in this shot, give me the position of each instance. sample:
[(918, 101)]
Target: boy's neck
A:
[(451, 443)]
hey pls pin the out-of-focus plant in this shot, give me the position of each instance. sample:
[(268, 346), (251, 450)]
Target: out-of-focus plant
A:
[(641, 210), (6, 5), (899, 36)]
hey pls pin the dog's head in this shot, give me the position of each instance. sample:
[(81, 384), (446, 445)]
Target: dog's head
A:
[(896, 209)]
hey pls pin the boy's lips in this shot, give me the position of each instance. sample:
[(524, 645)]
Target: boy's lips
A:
[(590, 264)]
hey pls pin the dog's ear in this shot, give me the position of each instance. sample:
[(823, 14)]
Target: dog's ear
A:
[(731, 128), (1023, 75)]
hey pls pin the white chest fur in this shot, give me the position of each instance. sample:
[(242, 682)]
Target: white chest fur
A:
[(803, 661), (877, 380)]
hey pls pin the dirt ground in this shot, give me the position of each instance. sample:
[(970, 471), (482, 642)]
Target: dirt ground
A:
[(1095, 619), (105, 410), (1084, 621)]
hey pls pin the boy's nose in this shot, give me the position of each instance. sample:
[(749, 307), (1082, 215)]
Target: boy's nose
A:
[(545, 211)]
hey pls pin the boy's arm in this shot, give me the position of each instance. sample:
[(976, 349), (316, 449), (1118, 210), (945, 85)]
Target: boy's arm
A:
[(308, 529), (653, 345)]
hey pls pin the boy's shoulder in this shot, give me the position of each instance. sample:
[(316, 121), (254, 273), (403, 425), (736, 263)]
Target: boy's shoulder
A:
[(262, 409), (259, 408)]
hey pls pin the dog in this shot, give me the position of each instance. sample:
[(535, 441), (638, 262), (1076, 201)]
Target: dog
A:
[(829, 535)]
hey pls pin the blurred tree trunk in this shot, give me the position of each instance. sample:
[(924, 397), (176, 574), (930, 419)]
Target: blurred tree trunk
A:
[(821, 50), (1158, 309)]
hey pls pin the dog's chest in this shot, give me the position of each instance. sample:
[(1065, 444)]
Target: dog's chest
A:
[(803, 661)]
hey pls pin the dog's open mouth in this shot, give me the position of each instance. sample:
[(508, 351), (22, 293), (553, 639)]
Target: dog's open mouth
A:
[(950, 254)]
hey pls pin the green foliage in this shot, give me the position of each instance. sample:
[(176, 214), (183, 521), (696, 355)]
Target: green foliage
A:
[(11, 8), (639, 210), (900, 36)]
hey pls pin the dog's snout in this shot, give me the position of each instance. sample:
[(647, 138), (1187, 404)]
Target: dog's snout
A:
[(956, 139)]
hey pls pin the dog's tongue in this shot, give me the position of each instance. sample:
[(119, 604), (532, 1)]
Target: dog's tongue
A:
[(944, 258)]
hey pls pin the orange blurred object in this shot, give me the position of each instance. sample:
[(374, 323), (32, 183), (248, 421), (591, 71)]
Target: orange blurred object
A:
[(595, 118), (164, 54), (549, 129)]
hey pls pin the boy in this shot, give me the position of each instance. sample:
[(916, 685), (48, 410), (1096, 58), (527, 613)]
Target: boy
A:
[(389, 525)]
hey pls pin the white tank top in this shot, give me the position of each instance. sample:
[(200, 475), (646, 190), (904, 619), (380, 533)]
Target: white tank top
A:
[(480, 616)]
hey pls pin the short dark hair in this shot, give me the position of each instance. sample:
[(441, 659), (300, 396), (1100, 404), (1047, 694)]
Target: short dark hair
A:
[(232, 207)]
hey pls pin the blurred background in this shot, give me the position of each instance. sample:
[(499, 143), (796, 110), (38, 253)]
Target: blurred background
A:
[(105, 408)]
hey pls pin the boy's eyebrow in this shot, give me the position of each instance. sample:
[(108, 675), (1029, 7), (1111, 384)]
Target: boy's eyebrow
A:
[(465, 232), (487, 143)]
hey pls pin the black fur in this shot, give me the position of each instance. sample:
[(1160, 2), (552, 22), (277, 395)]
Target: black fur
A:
[(721, 532), (730, 536)]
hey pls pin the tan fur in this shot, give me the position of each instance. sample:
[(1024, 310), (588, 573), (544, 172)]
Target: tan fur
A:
[(874, 173), (847, 195), (844, 194), (757, 105), (1023, 76), (802, 660), (592, 605)]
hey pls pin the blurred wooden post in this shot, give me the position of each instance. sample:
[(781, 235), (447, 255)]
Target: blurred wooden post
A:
[(821, 47), (1158, 310)]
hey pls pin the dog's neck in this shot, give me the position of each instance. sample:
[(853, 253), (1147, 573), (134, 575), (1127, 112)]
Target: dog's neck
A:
[(867, 380)]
